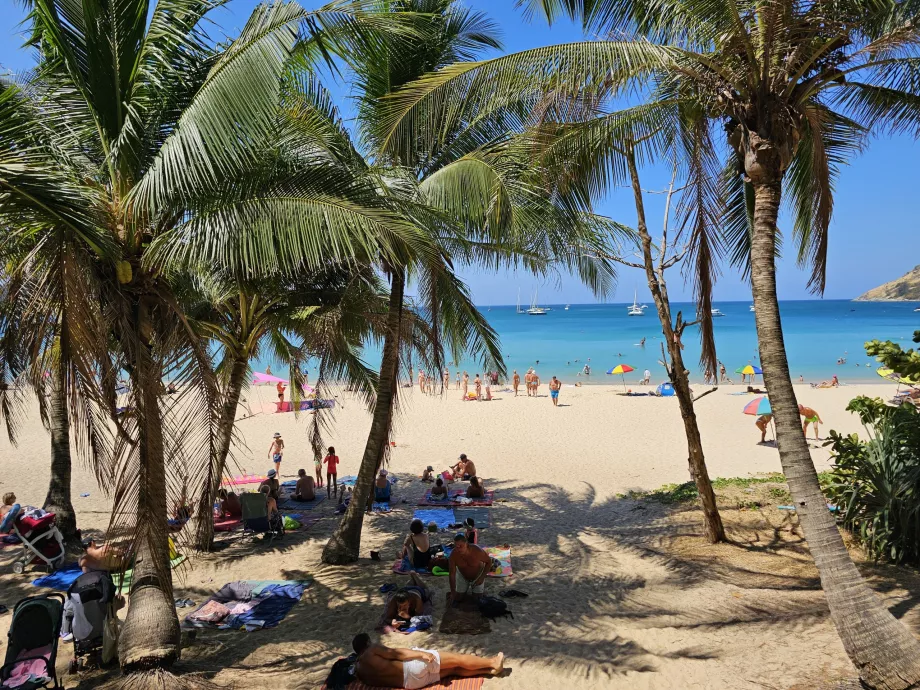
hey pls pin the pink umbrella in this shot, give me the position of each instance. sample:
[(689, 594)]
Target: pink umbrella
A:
[(266, 378)]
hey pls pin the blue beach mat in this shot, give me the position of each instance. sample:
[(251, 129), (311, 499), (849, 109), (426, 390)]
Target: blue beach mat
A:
[(60, 579), (291, 504), (442, 517)]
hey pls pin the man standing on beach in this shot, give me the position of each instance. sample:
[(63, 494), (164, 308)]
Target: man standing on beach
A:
[(646, 377), (446, 379), (280, 388), (276, 451), (516, 381), (469, 565), (721, 372), (554, 386), (535, 381), (811, 417), (466, 385), (528, 381), (421, 380)]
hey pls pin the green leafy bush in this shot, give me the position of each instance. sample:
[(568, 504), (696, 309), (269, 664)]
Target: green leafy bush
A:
[(876, 482)]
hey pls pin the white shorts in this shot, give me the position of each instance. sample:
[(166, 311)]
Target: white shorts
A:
[(463, 585), (418, 674)]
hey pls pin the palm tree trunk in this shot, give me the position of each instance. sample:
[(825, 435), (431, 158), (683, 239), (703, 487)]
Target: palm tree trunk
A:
[(150, 636), (885, 653), (204, 539), (58, 499), (344, 544), (680, 377)]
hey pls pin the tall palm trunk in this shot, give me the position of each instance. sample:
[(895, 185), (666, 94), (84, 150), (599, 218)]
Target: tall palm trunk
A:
[(884, 652), (150, 636), (344, 544), (58, 499), (204, 532), (680, 377)]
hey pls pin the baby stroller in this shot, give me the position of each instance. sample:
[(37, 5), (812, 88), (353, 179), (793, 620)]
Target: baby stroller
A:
[(90, 601), (33, 640), (42, 541)]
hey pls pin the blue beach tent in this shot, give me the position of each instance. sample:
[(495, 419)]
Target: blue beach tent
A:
[(665, 390)]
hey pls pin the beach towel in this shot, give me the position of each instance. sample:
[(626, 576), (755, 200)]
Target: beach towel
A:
[(347, 480), (243, 479), (291, 504), (464, 618), (452, 684), (60, 579), (447, 477), (227, 524), (380, 507), (503, 556), (248, 605), (482, 516), (402, 566), (454, 495), (442, 517)]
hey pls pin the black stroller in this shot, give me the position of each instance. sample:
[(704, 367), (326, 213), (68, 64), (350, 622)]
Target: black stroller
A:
[(90, 601), (33, 639)]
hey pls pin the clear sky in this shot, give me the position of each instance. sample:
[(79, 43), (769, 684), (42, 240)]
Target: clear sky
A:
[(874, 232)]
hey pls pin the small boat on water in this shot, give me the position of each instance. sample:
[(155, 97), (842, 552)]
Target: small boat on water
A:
[(752, 308), (534, 309), (716, 312), (635, 309), (567, 307)]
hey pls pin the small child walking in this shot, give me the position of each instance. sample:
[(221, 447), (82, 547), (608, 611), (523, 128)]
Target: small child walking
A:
[(318, 468)]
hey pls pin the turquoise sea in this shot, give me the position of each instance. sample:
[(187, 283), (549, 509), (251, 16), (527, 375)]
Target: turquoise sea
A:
[(817, 333)]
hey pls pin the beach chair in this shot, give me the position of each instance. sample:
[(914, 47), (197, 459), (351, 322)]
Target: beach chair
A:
[(42, 541), (256, 519), (31, 651)]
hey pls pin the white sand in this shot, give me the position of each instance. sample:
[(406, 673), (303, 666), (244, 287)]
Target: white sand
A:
[(616, 601)]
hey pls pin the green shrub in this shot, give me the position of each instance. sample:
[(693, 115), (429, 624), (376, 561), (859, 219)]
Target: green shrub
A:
[(876, 482)]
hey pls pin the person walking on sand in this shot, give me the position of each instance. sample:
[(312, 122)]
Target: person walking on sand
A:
[(446, 379), (646, 377), (721, 372), (280, 388), (421, 380), (535, 382), (458, 379), (477, 384), (528, 381), (554, 386), (516, 381), (276, 451), (268, 370), (331, 461), (387, 667), (318, 470), (811, 417), (466, 385)]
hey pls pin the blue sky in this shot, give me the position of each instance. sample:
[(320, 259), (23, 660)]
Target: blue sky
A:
[(874, 233)]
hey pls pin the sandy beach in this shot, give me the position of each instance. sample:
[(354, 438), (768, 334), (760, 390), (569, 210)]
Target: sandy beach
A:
[(623, 592)]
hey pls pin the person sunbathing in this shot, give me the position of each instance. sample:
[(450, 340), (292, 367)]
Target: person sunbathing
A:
[(439, 490), (408, 601), (230, 506), (305, 489), (9, 500), (416, 668), (417, 548), (105, 557), (382, 488), (475, 489)]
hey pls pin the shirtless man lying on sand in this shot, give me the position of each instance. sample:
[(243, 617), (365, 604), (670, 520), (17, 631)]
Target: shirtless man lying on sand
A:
[(416, 668)]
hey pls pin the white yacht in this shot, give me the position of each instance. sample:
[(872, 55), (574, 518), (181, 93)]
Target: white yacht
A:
[(634, 309), (567, 307), (752, 308), (716, 312), (534, 309)]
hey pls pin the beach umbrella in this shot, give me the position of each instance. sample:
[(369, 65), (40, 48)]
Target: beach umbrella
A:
[(749, 370), (258, 378), (891, 375), (621, 369), (758, 406)]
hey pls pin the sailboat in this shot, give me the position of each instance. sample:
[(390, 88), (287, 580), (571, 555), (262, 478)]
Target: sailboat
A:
[(635, 309), (534, 309), (519, 310), (567, 307)]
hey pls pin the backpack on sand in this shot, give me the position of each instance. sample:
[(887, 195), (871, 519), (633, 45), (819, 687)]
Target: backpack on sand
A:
[(493, 607)]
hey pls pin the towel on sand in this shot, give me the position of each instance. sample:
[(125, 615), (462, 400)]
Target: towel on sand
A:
[(251, 605), (66, 575), (503, 556), (227, 524), (463, 618), (442, 517), (291, 504), (452, 500), (482, 516), (452, 684)]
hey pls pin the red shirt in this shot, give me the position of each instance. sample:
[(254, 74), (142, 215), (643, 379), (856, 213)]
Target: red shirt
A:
[(331, 461)]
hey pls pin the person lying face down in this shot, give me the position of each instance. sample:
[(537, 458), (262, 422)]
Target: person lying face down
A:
[(416, 668)]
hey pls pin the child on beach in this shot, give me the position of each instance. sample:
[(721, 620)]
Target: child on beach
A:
[(276, 452), (318, 469), (331, 461), (9, 501)]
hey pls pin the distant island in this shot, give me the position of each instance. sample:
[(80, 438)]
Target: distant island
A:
[(904, 289)]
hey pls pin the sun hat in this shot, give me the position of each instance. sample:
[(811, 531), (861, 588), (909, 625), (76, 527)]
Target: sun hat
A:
[(277, 435), (463, 456), (271, 473), (383, 473)]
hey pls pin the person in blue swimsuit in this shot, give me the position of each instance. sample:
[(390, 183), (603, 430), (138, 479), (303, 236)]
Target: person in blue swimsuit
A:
[(554, 386)]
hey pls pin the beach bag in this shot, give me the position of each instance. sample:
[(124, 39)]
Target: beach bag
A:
[(342, 673), (493, 607), (110, 634)]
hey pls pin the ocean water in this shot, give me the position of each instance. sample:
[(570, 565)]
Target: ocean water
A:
[(817, 333)]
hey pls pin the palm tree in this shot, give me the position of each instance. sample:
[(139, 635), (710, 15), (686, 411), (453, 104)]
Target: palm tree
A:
[(480, 185), (142, 142), (797, 88)]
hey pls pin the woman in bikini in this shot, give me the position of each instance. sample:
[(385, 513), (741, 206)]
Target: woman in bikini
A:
[(417, 548)]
